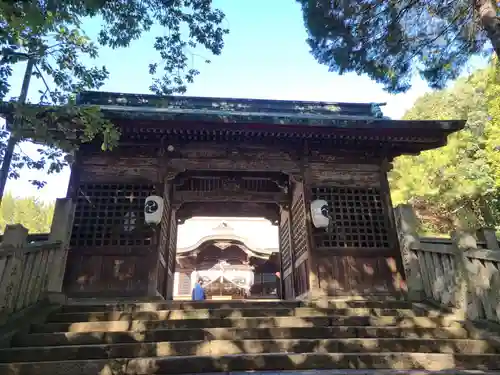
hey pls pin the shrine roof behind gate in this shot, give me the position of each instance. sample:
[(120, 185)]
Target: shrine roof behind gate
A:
[(224, 236)]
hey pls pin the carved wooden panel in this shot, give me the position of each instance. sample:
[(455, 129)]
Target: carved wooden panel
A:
[(105, 166), (358, 215), (350, 275), (348, 175), (111, 214), (299, 228)]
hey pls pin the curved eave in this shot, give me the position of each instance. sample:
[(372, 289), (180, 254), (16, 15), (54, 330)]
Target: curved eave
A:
[(259, 252), (279, 120), (182, 118)]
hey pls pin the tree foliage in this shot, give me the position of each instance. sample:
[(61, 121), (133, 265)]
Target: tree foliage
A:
[(50, 33), (31, 212), (462, 178), (391, 40)]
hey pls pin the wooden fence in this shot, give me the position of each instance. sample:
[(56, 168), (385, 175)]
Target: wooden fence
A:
[(462, 272), (32, 268)]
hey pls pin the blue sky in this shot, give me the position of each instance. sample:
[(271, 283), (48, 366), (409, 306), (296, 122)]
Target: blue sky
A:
[(265, 56)]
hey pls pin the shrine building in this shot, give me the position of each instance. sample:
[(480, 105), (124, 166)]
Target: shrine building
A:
[(230, 265), (316, 170)]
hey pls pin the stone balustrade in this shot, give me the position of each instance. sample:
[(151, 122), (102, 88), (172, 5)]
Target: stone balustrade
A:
[(461, 273), (32, 270)]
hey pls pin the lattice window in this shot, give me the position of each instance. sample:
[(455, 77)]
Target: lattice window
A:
[(111, 215), (214, 183), (286, 251), (359, 218), (299, 233), (184, 283)]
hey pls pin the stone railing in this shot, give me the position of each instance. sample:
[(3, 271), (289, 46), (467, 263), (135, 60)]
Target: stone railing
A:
[(32, 270), (461, 273)]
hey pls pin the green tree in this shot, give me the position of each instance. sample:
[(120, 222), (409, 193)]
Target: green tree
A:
[(31, 212), (462, 178), (391, 40), (49, 35)]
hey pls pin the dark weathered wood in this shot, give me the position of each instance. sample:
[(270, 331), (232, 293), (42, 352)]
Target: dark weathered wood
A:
[(118, 275), (358, 275), (242, 158), (228, 209)]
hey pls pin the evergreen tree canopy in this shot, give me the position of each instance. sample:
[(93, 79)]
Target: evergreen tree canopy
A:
[(391, 40), (31, 212), (462, 178)]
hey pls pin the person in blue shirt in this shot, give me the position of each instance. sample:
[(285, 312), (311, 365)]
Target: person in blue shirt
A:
[(198, 293)]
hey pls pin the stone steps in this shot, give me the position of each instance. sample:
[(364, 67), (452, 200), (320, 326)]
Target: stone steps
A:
[(238, 322), (231, 347), (227, 313), (252, 362), (186, 338), (91, 306), (106, 337)]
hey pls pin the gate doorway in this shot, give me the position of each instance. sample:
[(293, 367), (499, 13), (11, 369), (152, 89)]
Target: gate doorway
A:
[(191, 194), (237, 258)]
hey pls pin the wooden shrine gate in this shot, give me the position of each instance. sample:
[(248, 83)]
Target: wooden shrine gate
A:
[(246, 157)]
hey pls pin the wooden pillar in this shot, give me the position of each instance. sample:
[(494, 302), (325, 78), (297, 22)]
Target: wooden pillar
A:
[(463, 240), (407, 225), (303, 263), (60, 230), (14, 237)]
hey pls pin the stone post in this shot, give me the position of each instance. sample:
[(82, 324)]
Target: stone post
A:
[(62, 224), (463, 240), (489, 236), (14, 239), (407, 224)]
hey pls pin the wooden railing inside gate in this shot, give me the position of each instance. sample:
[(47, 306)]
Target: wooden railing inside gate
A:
[(461, 272), (30, 267)]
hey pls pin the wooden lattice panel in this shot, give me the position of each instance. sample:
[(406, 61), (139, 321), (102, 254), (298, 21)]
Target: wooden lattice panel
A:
[(111, 215), (286, 250), (299, 229), (215, 183), (165, 221), (172, 243), (359, 218)]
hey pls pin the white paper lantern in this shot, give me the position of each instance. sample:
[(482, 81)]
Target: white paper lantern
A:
[(153, 209), (320, 213)]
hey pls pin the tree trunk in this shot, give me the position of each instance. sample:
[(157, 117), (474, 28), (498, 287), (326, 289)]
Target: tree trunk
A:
[(487, 11)]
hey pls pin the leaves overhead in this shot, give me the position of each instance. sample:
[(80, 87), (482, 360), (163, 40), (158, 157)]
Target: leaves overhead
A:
[(391, 40), (50, 32)]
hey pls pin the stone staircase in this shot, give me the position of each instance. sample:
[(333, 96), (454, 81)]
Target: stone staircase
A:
[(183, 337)]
